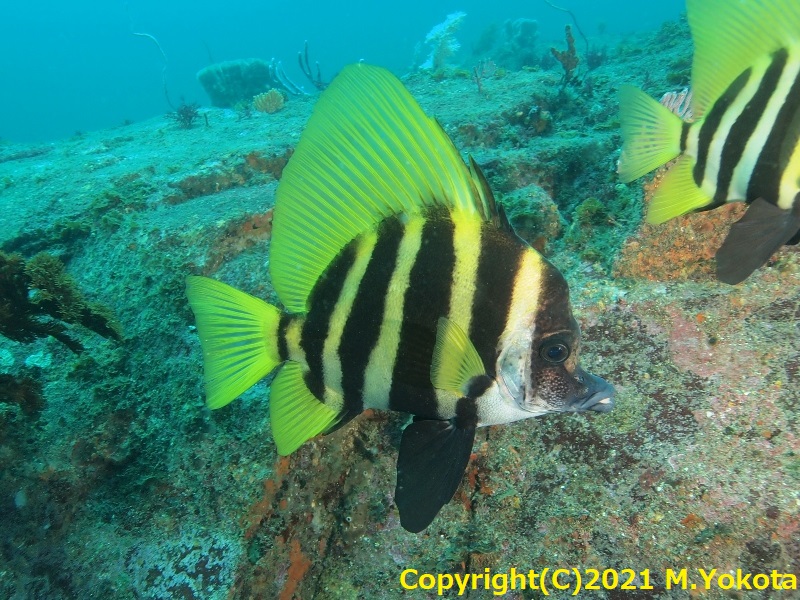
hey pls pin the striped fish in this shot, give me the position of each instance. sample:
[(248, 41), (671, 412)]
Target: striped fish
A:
[(405, 289), (745, 142)]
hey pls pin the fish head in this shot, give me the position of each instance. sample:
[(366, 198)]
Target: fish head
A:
[(538, 365)]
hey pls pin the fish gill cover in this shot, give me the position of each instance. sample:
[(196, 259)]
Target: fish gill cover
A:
[(117, 482)]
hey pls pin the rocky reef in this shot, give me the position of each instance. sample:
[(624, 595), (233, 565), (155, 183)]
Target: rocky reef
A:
[(117, 482)]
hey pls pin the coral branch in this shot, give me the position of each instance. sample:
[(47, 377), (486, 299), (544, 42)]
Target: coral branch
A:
[(163, 60), (305, 66), (269, 102), (160, 49), (278, 75), (484, 69), (574, 20), (569, 57)]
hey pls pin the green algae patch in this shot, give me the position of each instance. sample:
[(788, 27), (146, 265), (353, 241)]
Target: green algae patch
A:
[(38, 298)]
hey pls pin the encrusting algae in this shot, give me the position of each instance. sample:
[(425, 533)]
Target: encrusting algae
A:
[(38, 297)]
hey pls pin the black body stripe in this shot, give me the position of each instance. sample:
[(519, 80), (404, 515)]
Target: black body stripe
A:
[(363, 326), (466, 414), (283, 347), (684, 135), (791, 138), (742, 130), (478, 385), (778, 147), (498, 264), (712, 121), (322, 302), (426, 300)]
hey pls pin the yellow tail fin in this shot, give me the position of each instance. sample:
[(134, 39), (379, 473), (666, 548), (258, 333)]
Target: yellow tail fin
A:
[(238, 334), (651, 134)]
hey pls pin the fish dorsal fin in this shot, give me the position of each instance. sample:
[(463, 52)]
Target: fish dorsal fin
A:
[(729, 36), (491, 210), (455, 360), (368, 152)]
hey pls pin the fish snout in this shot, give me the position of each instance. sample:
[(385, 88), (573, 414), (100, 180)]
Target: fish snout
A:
[(599, 395)]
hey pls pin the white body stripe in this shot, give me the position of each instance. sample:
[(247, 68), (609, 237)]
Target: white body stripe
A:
[(714, 158), (331, 362), (446, 402), (378, 376), (293, 333), (766, 123), (692, 140), (525, 299), (466, 242), (499, 404), (790, 180)]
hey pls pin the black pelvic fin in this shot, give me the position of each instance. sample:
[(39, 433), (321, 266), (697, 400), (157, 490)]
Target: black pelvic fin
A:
[(432, 461), (755, 237)]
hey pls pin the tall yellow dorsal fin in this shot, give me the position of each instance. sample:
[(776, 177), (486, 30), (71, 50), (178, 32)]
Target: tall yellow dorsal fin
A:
[(455, 359), (729, 35), (368, 152)]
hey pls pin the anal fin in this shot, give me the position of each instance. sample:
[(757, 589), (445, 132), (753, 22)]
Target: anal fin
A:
[(433, 458), (677, 194), (296, 415), (755, 237)]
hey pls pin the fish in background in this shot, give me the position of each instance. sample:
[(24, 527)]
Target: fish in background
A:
[(744, 144), (405, 289)]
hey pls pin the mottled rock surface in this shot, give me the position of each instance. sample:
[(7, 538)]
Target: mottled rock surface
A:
[(123, 485)]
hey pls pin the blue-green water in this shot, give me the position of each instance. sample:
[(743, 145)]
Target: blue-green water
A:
[(116, 481), (74, 66)]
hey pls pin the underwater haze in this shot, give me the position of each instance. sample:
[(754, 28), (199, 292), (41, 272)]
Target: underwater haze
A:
[(75, 66), (494, 313)]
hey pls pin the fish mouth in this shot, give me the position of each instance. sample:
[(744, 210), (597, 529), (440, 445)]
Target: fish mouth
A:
[(599, 402), (600, 397)]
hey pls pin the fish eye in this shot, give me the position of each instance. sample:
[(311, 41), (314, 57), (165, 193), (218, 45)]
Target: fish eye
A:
[(554, 351)]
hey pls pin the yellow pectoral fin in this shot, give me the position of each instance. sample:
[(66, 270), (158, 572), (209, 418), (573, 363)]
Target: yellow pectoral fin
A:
[(455, 359)]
